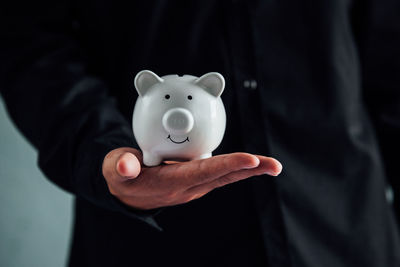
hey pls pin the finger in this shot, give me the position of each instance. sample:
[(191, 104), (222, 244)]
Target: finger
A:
[(128, 166), (271, 166), (267, 165), (121, 164)]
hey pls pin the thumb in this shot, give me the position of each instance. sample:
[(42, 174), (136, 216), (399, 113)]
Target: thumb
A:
[(128, 166), (121, 164)]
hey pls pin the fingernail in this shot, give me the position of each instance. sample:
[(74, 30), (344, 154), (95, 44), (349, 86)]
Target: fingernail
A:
[(277, 171), (271, 173), (127, 166)]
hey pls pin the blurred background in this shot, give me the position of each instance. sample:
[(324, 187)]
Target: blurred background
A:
[(35, 215)]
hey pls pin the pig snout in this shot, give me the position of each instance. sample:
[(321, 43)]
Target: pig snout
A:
[(178, 121)]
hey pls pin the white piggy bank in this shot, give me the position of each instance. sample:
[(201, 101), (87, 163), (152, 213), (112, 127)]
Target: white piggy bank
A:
[(178, 117)]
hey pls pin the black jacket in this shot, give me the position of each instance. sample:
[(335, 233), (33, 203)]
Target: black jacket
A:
[(312, 83)]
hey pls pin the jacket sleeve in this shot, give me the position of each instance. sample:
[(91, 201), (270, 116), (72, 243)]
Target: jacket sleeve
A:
[(63, 110), (378, 30)]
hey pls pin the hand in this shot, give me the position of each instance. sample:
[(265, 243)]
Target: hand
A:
[(145, 188)]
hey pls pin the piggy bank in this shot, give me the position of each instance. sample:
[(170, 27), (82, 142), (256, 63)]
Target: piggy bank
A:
[(178, 117)]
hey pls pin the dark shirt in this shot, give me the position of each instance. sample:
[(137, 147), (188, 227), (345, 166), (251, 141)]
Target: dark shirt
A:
[(314, 84)]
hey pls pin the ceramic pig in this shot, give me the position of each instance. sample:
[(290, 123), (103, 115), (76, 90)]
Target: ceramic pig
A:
[(178, 117)]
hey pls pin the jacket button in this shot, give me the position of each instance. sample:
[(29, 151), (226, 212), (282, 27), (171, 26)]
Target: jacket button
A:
[(250, 84)]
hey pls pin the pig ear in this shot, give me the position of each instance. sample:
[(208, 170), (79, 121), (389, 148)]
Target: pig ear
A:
[(212, 82), (144, 80)]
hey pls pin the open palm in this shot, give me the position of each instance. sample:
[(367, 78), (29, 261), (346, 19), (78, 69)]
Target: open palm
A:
[(175, 183)]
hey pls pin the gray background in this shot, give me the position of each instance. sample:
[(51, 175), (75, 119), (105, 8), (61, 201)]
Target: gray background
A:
[(35, 215)]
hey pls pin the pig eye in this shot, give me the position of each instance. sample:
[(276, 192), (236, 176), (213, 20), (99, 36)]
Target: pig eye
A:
[(190, 97), (167, 96)]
